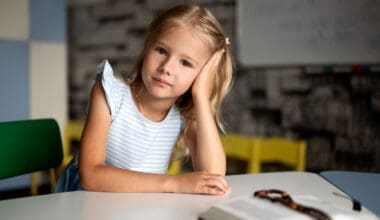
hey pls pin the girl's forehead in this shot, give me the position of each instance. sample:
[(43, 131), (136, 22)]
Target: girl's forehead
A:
[(188, 29), (185, 36)]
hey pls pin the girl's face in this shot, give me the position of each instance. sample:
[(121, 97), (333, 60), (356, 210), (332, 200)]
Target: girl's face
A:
[(172, 62)]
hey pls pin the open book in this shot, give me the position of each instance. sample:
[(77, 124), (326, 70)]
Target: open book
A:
[(246, 207)]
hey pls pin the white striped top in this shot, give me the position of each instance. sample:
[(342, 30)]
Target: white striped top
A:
[(135, 142)]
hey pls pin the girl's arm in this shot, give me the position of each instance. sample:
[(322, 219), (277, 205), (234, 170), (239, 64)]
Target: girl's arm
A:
[(203, 137), (96, 176)]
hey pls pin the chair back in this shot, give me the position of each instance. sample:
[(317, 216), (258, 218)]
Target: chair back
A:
[(237, 145), (73, 132), (241, 147), (28, 146), (282, 150), (258, 150)]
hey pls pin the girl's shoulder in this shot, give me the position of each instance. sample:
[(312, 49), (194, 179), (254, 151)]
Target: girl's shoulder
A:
[(105, 71), (109, 78), (116, 90)]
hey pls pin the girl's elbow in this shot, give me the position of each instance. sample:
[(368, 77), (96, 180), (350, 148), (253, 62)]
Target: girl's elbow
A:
[(86, 179)]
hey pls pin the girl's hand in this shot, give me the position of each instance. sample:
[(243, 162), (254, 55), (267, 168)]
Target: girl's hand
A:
[(201, 183), (203, 84)]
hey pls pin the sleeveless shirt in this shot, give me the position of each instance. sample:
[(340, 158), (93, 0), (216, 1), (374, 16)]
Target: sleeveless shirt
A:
[(135, 142)]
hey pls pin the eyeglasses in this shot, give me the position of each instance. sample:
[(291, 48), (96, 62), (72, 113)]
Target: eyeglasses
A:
[(356, 205), (275, 195)]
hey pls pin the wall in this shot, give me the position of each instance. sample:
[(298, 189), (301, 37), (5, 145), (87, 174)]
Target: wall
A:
[(337, 113), (33, 61), (295, 32)]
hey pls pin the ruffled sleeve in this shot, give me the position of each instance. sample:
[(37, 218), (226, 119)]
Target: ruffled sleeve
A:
[(104, 72)]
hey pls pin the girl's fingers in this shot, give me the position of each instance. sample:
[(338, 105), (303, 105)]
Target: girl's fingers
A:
[(203, 183), (204, 81), (216, 185), (213, 61), (212, 191), (220, 177), (217, 182)]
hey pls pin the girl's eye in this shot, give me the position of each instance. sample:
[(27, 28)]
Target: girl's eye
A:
[(186, 63), (160, 50)]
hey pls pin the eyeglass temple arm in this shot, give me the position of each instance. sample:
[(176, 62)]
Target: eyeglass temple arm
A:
[(356, 204)]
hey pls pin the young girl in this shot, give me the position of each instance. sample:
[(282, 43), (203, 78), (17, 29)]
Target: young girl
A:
[(171, 98)]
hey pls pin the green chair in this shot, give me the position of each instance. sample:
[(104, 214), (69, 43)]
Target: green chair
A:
[(29, 146)]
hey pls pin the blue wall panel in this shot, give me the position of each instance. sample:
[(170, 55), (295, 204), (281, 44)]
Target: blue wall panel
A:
[(14, 78), (48, 20)]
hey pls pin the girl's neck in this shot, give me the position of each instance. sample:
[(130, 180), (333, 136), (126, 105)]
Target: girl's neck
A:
[(151, 108)]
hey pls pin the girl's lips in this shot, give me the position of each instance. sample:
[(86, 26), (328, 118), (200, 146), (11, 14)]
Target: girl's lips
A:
[(161, 82)]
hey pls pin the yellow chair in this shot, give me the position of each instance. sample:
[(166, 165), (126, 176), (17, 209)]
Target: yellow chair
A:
[(73, 132), (175, 167), (241, 147), (281, 150), (256, 151)]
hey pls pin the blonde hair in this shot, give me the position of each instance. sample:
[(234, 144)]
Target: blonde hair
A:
[(203, 22)]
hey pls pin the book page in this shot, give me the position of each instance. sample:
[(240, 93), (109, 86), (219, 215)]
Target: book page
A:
[(255, 208)]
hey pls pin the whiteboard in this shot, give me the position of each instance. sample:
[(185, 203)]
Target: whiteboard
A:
[(307, 32)]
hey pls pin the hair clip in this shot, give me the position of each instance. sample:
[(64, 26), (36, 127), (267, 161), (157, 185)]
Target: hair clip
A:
[(227, 41)]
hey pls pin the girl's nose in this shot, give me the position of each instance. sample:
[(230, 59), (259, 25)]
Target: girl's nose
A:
[(165, 67)]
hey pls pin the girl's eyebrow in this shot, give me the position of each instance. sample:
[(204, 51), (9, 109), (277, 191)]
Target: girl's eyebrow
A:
[(182, 55)]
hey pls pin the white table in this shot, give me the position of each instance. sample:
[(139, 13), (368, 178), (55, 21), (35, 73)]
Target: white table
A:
[(94, 205)]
